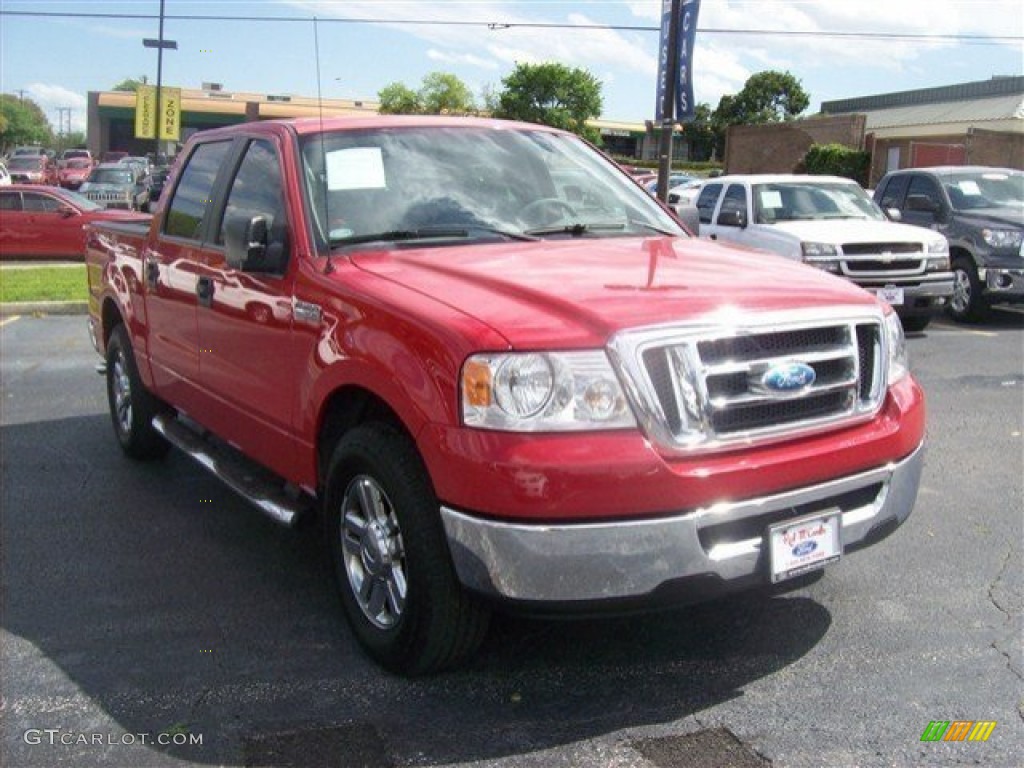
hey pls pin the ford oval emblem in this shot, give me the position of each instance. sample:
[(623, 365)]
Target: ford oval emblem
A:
[(804, 548), (788, 377)]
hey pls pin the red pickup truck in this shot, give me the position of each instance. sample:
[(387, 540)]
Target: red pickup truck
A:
[(501, 373)]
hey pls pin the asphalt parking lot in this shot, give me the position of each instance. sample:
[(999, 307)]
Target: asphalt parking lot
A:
[(147, 602)]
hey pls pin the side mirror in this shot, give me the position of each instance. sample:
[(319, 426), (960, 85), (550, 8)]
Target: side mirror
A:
[(894, 214), (246, 242), (66, 211), (922, 203), (732, 218)]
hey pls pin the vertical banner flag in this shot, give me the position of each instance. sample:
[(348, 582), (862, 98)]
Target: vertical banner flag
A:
[(145, 112), (687, 35), (663, 49), (170, 114)]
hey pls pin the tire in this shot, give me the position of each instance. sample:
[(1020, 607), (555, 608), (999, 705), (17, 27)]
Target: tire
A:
[(132, 407), (967, 303), (915, 324), (390, 556)]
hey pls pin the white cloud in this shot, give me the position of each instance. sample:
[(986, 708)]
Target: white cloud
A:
[(50, 98), (461, 58)]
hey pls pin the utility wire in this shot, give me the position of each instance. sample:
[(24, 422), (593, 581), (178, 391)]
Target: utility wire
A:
[(497, 26)]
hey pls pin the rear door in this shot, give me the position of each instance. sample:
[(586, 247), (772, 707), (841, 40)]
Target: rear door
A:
[(170, 272)]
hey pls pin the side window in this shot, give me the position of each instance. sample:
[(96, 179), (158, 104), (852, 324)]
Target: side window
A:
[(192, 195), (707, 200), (257, 191), (892, 195), (735, 198), (922, 185), (10, 201), (39, 203)]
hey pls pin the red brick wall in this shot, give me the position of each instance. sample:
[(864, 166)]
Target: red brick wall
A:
[(780, 147)]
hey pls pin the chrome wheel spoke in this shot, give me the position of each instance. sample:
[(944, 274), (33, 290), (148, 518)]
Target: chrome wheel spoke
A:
[(372, 552)]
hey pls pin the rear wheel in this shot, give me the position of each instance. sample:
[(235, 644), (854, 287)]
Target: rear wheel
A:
[(132, 407), (390, 556), (967, 303)]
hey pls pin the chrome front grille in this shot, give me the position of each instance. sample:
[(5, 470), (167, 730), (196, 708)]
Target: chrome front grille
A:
[(712, 386), (883, 260)]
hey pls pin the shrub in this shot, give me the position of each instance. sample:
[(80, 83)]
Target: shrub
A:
[(837, 160)]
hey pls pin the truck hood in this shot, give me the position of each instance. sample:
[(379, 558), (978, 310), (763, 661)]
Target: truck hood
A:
[(993, 217), (576, 293), (839, 231)]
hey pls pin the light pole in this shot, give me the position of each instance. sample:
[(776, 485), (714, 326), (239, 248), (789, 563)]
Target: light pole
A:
[(160, 44)]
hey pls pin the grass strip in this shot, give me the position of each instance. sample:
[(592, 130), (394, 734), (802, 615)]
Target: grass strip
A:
[(43, 284)]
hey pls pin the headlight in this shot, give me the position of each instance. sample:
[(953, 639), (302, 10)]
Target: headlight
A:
[(543, 392), (821, 255), (938, 255), (812, 250), (898, 363), (1002, 238)]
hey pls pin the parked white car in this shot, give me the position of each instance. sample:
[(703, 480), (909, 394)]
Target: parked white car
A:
[(831, 223)]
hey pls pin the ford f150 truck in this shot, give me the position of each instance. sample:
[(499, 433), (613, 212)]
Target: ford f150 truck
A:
[(981, 212), (501, 372), (831, 223)]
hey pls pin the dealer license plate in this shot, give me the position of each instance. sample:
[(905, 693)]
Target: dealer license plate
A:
[(799, 546), (891, 294)]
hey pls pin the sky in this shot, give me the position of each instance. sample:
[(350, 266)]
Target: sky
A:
[(364, 46)]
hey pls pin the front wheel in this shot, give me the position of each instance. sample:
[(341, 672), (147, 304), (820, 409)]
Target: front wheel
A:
[(915, 324), (132, 407), (967, 303), (390, 556)]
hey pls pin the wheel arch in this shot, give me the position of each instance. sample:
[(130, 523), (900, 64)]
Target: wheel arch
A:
[(346, 407)]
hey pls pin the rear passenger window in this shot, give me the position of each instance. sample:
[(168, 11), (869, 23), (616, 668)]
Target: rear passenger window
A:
[(10, 201), (707, 200), (193, 195)]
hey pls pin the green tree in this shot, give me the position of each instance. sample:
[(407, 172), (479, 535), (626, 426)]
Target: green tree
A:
[(552, 94), (22, 122), (766, 97), (130, 84), (838, 160), (398, 99), (442, 93), (699, 133)]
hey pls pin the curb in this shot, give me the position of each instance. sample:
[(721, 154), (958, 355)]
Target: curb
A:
[(43, 308)]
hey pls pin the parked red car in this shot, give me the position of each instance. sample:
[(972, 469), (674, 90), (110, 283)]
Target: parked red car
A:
[(32, 169), (75, 171), (48, 222)]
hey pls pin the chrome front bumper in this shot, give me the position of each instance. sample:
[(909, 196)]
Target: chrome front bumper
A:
[(622, 560)]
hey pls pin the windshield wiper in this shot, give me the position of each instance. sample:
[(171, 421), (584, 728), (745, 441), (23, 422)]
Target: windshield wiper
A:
[(652, 228), (575, 229), (425, 233), (396, 235)]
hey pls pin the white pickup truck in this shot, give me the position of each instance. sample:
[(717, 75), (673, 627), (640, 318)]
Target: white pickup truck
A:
[(831, 223)]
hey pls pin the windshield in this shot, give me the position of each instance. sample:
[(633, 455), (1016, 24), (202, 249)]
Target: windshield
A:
[(465, 183), (25, 163), (110, 176), (791, 201), (986, 189)]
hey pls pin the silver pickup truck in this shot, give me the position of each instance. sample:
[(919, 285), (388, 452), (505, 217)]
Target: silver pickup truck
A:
[(831, 223)]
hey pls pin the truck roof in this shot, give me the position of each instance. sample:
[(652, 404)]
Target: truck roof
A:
[(780, 178), (310, 125)]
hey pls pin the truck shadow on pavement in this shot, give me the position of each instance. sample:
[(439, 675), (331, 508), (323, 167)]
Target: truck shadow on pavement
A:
[(147, 598)]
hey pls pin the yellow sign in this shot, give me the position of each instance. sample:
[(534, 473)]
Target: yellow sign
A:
[(145, 112), (170, 114)]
